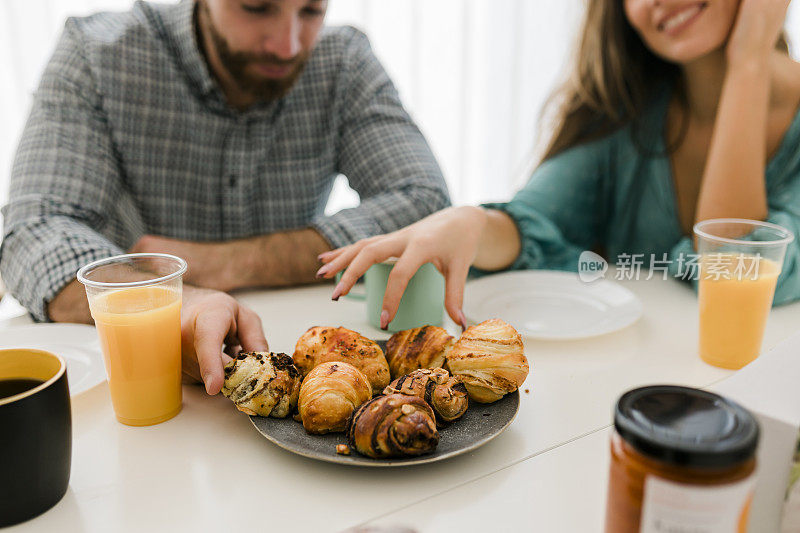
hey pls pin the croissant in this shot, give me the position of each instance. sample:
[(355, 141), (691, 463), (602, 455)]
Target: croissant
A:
[(393, 426), (262, 383), (445, 393), (320, 345), (329, 394), (489, 358), (424, 347)]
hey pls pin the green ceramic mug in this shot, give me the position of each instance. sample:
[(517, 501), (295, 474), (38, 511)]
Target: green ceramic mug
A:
[(422, 303)]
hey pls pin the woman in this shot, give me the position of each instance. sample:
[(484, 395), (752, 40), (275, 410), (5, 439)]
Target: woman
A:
[(678, 111)]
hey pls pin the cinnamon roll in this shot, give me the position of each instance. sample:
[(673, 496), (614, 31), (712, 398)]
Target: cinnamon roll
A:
[(329, 394), (445, 393), (489, 358), (262, 383), (321, 345), (424, 347), (393, 426)]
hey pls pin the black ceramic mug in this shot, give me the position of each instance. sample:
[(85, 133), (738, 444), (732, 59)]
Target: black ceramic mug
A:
[(35, 433)]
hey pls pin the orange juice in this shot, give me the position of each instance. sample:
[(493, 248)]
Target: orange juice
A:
[(140, 333), (735, 295)]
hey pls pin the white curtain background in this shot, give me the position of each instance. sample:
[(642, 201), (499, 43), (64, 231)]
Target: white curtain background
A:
[(473, 73)]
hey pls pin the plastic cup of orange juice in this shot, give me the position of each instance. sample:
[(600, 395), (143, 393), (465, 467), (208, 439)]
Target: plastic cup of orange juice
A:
[(135, 300), (740, 261)]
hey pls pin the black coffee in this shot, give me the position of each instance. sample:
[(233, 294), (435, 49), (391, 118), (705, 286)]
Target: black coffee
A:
[(10, 387)]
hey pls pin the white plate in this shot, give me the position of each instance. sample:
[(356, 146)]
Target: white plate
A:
[(551, 305), (76, 343)]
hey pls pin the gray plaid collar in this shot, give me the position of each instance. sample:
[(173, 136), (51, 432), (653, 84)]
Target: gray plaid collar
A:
[(183, 33)]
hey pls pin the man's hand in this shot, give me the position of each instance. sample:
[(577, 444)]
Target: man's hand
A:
[(210, 263), (70, 305), (210, 319), (273, 260)]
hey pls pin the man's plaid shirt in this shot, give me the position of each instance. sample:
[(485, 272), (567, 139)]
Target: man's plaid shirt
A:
[(129, 134)]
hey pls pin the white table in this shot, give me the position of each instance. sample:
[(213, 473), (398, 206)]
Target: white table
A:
[(209, 469), (564, 489)]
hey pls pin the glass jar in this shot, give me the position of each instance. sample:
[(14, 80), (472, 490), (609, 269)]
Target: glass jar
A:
[(682, 459)]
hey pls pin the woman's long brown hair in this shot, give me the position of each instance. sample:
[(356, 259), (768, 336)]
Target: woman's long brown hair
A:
[(614, 78)]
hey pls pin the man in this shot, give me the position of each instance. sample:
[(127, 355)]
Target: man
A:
[(213, 131)]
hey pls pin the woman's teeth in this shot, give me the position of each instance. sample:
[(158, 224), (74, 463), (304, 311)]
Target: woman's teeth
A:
[(680, 18)]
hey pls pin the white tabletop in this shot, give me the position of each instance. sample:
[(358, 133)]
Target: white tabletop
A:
[(209, 469), (564, 488)]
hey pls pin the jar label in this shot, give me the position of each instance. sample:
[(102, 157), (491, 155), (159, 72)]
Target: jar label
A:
[(679, 507)]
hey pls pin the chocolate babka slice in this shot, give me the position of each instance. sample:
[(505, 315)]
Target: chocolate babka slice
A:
[(393, 426), (262, 383)]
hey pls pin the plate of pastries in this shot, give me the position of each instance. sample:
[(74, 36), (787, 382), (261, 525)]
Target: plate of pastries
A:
[(419, 397)]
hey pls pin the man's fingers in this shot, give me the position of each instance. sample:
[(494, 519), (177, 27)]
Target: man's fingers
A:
[(190, 367), (210, 329), (250, 331), (401, 274), (232, 350), (455, 278), (189, 364)]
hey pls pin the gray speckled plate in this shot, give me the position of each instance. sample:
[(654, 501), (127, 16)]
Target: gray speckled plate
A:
[(480, 424)]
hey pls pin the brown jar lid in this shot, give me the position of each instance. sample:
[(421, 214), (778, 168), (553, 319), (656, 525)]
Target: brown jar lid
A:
[(686, 427)]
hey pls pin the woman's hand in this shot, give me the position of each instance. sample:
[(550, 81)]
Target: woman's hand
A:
[(756, 30), (449, 239)]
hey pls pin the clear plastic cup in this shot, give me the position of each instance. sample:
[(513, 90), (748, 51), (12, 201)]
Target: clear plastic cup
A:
[(135, 300), (740, 261)]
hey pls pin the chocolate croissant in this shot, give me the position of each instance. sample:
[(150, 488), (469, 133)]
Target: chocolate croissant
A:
[(262, 383), (445, 393), (329, 394), (321, 345), (489, 358), (393, 426), (424, 347)]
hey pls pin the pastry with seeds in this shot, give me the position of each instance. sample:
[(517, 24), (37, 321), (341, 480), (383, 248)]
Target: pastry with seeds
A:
[(443, 392)]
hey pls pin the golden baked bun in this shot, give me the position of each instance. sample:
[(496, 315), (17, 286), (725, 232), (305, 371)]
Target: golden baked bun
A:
[(489, 358), (445, 393), (321, 345), (424, 347), (329, 394), (262, 383), (393, 426)]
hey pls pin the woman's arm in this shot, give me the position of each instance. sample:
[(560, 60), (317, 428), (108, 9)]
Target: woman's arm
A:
[(500, 242), (546, 225), (733, 179)]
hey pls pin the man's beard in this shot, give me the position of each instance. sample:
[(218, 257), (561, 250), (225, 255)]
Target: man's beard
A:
[(262, 88)]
